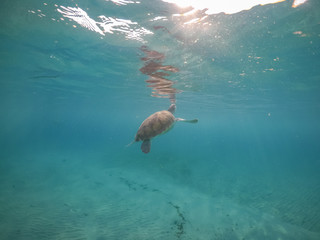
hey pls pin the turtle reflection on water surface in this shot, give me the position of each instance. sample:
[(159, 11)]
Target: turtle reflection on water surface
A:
[(156, 124)]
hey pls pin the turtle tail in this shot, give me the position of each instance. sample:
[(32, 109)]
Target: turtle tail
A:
[(136, 139), (129, 144)]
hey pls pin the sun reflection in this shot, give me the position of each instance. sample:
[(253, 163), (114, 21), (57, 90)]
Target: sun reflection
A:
[(81, 17), (194, 12), (300, 33), (106, 25), (297, 3), (121, 2), (226, 6)]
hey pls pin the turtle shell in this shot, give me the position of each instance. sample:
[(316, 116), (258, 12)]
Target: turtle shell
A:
[(155, 124)]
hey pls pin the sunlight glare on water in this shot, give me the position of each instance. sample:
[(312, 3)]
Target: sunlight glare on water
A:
[(227, 6)]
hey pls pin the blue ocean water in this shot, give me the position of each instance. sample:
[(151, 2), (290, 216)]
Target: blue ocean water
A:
[(79, 77)]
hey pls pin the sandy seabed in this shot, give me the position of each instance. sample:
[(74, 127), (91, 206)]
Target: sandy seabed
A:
[(63, 198)]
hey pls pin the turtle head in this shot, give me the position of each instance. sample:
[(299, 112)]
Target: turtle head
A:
[(172, 108)]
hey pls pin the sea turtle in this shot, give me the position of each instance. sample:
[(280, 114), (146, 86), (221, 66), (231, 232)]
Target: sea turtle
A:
[(156, 124)]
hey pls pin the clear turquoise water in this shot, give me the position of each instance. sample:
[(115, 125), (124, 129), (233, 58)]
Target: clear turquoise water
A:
[(73, 98)]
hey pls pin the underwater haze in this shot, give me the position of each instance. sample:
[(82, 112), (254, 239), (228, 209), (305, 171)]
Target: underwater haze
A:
[(77, 79)]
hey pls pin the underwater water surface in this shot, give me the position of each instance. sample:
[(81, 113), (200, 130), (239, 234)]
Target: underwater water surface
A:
[(79, 77)]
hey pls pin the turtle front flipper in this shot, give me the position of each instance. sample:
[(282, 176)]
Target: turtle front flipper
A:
[(188, 121), (146, 146)]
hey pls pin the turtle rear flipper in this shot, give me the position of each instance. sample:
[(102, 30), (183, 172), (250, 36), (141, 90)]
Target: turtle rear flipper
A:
[(146, 146), (188, 121)]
